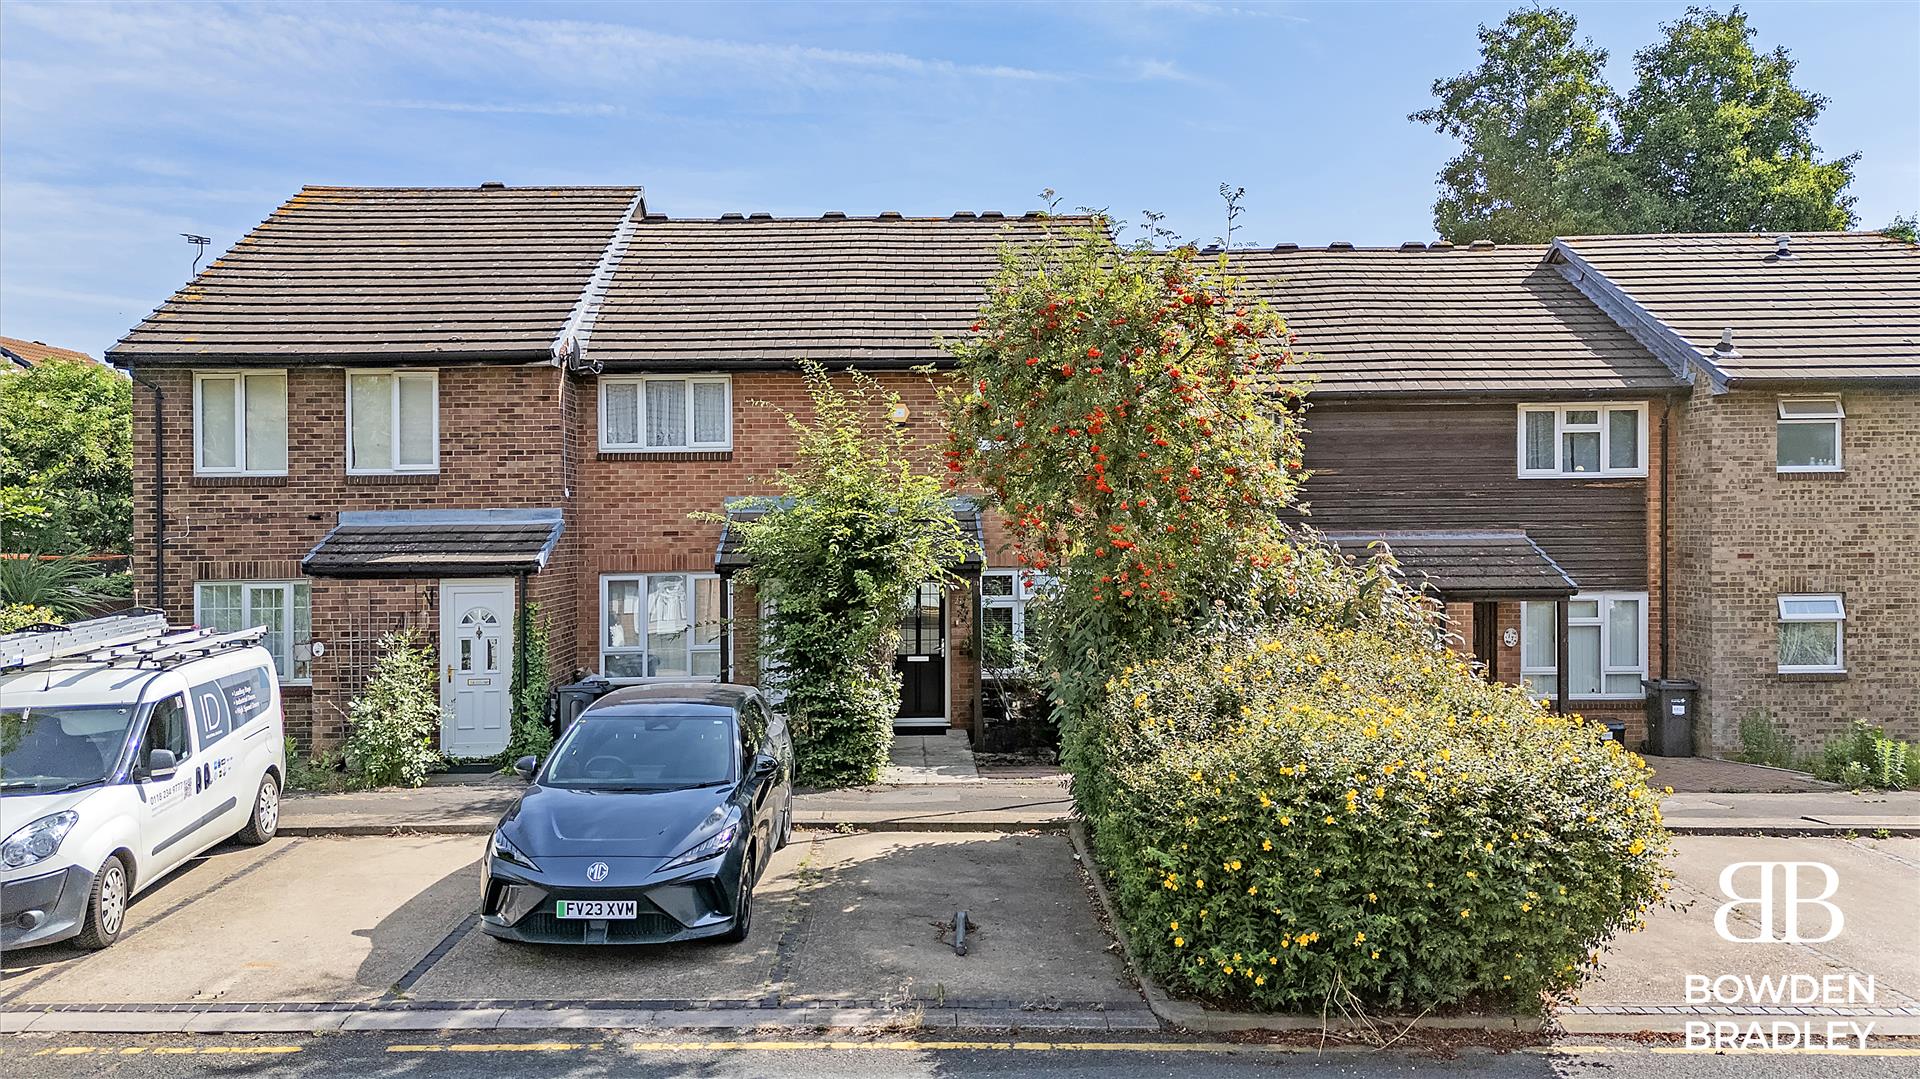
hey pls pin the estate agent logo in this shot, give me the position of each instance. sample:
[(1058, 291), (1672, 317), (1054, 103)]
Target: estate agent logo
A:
[(1791, 896), (597, 872)]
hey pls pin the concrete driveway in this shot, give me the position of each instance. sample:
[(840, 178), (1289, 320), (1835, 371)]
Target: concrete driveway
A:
[(862, 917)]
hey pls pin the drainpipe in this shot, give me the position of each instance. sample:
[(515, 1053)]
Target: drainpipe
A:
[(1666, 480), (159, 488)]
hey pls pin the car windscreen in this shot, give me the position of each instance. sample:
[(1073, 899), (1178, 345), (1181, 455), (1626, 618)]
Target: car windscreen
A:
[(654, 752), (47, 748)]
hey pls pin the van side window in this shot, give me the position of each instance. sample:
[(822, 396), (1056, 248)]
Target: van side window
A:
[(167, 728)]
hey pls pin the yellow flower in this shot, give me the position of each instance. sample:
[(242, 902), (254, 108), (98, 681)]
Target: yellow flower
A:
[(1636, 846), (1359, 938), (1173, 926), (1286, 822), (1376, 955), (1371, 898), (1179, 942), (1261, 980), (1266, 844), (1526, 907), (1465, 912), (1253, 890)]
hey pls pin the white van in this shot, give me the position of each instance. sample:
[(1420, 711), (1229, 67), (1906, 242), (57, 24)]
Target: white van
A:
[(126, 748)]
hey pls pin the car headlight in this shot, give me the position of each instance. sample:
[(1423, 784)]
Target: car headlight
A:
[(711, 847), (500, 848), (37, 841)]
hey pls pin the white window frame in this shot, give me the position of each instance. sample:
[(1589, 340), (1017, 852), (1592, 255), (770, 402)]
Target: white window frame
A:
[(1025, 584), (287, 589), (1560, 428), (1838, 618), (1837, 419), (239, 378), (397, 375), (639, 383), (1605, 601), (693, 596)]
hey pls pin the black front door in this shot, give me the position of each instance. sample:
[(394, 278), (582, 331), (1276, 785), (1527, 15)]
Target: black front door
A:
[(921, 659), (1486, 637)]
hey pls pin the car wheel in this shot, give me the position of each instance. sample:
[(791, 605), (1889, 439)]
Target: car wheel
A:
[(786, 825), (743, 906), (106, 906), (265, 820)]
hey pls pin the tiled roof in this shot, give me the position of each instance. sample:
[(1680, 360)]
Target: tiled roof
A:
[(741, 292), (730, 555), (1461, 566), (1419, 321), (435, 543), (1845, 306), (354, 274), (20, 353)]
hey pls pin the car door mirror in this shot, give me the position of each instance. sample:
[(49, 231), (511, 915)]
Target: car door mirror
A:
[(161, 764), (764, 766), (524, 767)]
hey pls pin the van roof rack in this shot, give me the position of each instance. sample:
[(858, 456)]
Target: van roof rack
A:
[(137, 638)]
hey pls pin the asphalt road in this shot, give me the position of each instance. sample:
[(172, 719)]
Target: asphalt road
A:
[(381, 1055)]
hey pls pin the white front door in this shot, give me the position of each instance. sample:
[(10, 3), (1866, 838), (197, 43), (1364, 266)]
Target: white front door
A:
[(476, 660)]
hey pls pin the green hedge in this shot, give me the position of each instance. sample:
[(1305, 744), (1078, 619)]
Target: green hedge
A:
[(1316, 813)]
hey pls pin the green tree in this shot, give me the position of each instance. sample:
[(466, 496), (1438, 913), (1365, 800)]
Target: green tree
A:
[(66, 478), (1714, 136), (855, 526), (1534, 119), (1724, 138)]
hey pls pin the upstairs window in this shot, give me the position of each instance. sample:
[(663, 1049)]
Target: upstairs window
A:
[(393, 421), (658, 413), (1811, 634), (1562, 441), (1807, 435), (240, 423)]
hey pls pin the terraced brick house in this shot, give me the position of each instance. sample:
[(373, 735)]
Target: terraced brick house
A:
[(426, 408)]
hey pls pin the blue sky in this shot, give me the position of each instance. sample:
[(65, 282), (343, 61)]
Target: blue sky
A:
[(123, 126)]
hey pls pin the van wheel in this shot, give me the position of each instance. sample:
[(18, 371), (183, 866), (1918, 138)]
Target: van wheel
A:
[(266, 813), (106, 906)]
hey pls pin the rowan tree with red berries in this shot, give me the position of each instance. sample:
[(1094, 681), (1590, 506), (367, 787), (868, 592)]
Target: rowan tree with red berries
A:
[(1134, 414)]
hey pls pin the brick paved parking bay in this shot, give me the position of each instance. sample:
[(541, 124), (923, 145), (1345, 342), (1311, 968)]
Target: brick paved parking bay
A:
[(860, 919)]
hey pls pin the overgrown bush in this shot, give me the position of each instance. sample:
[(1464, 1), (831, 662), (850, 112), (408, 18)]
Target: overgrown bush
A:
[(1866, 757), (393, 724), (532, 732), (15, 617), (1762, 741), (1319, 816), (856, 526)]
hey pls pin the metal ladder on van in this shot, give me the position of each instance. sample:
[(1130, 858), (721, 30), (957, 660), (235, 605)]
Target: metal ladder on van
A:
[(136, 638)]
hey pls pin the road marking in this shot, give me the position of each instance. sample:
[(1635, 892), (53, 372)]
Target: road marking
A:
[(1217, 1048)]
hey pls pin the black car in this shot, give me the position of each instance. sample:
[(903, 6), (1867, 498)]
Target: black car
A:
[(649, 822)]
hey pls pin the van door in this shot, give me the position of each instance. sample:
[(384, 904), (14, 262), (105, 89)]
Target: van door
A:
[(166, 802), (223, 787)]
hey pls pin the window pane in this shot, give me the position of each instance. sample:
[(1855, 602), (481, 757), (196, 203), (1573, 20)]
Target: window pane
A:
[(620, 405), (1583, 608), (623, 615), (1623, 439), (710, 412), (1583, 660), (1537, 635), (1624, 683), (217, 402), (370, 442), (302, 627), (1623, 633), (666, 412), (624, 665), (1813, 407), (707, 614), (417, 399), (267, 423), (1583, 417), (267, 606), (996, 584), (996, 639), (220, 607), (1539, 439), (1541, 685), (1809, 445), (1580, 451), (706, 663), (1809, 644), (668, 620), (1810, 606)]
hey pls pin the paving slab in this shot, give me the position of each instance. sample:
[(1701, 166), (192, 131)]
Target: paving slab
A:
[(466, 1019), (481, 967), (878, 916), (1879, 893), (331, 919), (1708, 774), (944, 757)]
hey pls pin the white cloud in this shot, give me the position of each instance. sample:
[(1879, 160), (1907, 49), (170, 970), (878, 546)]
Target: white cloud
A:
[(507, 108)]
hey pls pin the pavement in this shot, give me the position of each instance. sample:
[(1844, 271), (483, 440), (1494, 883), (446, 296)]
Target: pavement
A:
[(1711, 775)]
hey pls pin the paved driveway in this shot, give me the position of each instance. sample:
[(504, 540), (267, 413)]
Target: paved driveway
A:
[(856, 917)]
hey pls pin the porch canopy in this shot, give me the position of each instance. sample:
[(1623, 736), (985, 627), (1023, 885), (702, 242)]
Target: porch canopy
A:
[(730, 556), (1478, 567), (436, 543)]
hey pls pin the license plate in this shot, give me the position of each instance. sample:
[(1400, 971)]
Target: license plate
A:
[(596, 908)]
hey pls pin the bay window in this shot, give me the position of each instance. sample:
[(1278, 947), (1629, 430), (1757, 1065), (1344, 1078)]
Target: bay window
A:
[(393, 422), (1811, 637), (642, 413), (661, 625), (1606, 646), (240, 423), (1563, 441), (284, 607)]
